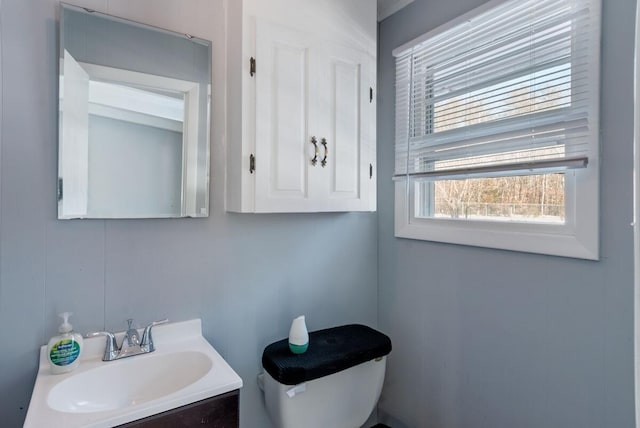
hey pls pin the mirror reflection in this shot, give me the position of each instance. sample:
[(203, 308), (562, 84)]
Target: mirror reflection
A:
[(134, 119)]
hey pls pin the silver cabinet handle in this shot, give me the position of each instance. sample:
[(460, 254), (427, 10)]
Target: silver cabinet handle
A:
[(314, 160), (323, 162)]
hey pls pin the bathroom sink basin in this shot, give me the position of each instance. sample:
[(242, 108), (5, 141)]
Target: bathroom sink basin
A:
[(99, 389), (183, 369)]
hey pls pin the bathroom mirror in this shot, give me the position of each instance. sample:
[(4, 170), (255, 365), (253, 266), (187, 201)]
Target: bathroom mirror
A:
[(133, 119)]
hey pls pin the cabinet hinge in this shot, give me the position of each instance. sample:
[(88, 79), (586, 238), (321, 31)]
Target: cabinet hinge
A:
[(252, 163), (59, 189), (370, 94), (252, 66), (370, 171)]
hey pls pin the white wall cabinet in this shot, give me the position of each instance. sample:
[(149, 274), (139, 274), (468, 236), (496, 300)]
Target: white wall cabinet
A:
[(302, 116)]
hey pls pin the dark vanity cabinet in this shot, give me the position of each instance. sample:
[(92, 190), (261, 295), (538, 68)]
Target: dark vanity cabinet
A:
[(216, 412)]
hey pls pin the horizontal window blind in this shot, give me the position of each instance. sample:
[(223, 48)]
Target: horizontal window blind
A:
[(509, 90)]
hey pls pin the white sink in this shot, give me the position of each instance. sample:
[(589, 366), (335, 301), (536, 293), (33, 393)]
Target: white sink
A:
[(102, 388), (183, 369)]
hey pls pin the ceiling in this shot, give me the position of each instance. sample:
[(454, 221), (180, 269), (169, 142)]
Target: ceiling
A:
[(389, 7)]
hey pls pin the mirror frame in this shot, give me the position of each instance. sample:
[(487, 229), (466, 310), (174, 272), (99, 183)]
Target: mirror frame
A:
[(196, 145)]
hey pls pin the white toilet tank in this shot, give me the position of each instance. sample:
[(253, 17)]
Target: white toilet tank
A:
[(336, 383)]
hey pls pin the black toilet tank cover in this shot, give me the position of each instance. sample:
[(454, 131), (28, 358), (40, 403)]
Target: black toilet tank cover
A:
[(330, 351)]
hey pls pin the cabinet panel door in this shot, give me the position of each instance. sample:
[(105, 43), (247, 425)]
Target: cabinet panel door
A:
[(284, 76), (216, 412), (346, 113)]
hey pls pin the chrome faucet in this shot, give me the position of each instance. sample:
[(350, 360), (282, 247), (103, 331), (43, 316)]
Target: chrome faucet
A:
[(131, 343), (131, 336)]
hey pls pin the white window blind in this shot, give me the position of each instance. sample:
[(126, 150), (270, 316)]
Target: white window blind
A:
[(510, 90)]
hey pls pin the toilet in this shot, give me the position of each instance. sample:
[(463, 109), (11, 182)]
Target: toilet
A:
[(336, 383)]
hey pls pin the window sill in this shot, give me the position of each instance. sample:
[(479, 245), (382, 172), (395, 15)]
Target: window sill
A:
[(558, 240)]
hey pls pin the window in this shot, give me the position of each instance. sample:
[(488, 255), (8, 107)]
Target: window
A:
[(497, 129)]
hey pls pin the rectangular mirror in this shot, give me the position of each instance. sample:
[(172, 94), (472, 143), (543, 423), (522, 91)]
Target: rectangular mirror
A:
[(133, 119)]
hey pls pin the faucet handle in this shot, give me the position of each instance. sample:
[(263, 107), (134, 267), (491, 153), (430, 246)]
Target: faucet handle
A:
[(147, 338), (111, 346), (131, 337)]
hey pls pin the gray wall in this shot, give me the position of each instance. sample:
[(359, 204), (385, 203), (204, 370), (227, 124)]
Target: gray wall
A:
[(246, 276), (496, 339)]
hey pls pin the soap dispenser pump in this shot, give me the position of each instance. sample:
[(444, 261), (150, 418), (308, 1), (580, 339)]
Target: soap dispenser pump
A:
[(64, 350)]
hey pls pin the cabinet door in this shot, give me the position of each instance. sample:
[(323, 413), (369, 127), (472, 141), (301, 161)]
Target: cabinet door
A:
[(216, 412), (286, 65), (347, 112)]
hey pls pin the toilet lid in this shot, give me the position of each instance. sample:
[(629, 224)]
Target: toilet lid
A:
[(330, 351)]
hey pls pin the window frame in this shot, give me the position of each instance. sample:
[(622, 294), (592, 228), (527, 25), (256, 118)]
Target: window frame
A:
[(578, 237)]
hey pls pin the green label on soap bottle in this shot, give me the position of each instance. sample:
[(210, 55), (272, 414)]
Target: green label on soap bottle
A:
[(64, 352)]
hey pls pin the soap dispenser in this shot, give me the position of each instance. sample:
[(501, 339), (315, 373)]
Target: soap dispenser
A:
[(64, 350)]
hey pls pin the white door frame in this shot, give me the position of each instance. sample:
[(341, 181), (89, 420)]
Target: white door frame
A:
[(191, 91)]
